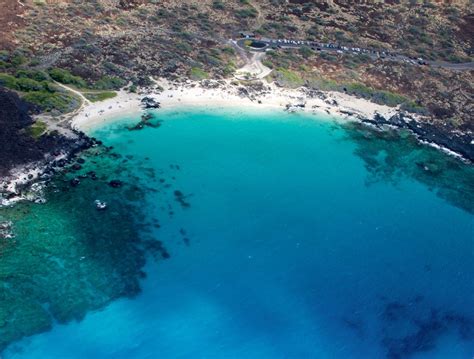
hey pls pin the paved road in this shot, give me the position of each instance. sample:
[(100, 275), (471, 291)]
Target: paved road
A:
[(373, 54)]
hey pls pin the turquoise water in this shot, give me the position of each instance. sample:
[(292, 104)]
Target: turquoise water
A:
[(289, 237)]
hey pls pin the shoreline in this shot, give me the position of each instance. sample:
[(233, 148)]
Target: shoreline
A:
[(224, 94), (227, 94)]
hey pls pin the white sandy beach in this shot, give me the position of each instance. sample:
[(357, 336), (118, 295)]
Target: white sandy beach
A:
[(225, 95), (215, 95)]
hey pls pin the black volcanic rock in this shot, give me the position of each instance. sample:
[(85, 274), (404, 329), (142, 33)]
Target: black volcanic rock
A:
[(149, 102), (18, 147), (445, 136), (115, 183)]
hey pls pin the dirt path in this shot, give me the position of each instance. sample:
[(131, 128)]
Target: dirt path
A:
[(253, 69), (61, 124), (82, 97), (259, 20)]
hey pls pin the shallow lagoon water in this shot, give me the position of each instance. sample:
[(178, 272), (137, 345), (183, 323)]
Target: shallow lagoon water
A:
[(285, 243)]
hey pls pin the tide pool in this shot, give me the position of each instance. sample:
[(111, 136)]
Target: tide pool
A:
[(289, 237)]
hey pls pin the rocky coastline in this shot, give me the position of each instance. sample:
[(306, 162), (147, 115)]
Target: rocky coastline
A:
[(448, 139), (24, 159)]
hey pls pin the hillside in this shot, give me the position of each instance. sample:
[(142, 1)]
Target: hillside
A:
[(105, 42)]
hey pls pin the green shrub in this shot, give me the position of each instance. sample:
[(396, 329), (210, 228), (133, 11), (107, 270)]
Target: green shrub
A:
[(388, 98), (359, 89), (8, 81), (50, 101), (229, 69), (18, 60), (65, 77), (36, 75), (49, 86), (183, 47), (99, 96), (109, 83), (228, 50), (34, 62), (26, 85), (4, 55), (289, 78), (198, 74), (378, 96), (305, 51), (324, 84), (218, 5), (37, 129), (412, 106), (244, 13)]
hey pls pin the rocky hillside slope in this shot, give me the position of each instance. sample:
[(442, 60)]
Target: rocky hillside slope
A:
[(103, 41)]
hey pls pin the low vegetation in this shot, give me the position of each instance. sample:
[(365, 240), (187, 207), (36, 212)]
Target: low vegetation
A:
[(44, 93), (65, 77), (198, 74), (187, 39), (39, 88), (288, 78), (37, 129), (46, 101), (99, 96)]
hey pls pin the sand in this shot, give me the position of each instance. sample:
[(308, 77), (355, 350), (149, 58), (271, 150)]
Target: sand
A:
[(226, 95), (216, 94)]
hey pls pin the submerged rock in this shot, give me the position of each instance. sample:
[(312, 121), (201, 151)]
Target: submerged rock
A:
[(100, 205), (115, 183), (74, 182)]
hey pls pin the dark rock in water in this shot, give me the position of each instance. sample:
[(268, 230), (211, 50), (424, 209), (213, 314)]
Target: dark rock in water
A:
[(100, 206), (138, 126), (427, 327), (181, 199), (146, 117), (149, 102), (76, 167), (165, 254), (92, 175), (145, 122), (445, 136), (74, 182), (30, 176), (60, 163), (115, 183), (81, 161)]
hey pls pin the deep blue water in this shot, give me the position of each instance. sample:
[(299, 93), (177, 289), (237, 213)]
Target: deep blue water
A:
[(289, 249)]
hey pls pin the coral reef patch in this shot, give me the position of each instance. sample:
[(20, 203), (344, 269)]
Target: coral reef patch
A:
[(61, 259)]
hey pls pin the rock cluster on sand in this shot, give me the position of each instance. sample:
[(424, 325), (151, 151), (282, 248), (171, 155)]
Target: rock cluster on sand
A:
[(149, 103)]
